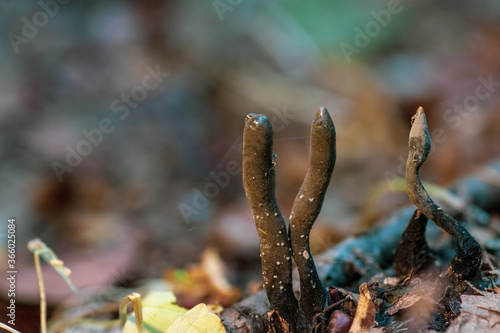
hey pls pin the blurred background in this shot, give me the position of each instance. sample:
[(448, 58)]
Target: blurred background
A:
[(121, 121)]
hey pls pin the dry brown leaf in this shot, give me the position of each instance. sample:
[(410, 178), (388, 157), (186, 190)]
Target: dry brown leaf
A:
[(365, 313), (204, 282), (277, 324), (404, 302), (478, 314)]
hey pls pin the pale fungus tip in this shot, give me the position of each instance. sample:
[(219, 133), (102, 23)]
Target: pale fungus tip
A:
[(322, 111), (255, 121)]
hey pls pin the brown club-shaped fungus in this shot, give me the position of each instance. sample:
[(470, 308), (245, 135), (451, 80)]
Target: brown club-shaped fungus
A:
[(465, 264), (307, 206), (277, 247)]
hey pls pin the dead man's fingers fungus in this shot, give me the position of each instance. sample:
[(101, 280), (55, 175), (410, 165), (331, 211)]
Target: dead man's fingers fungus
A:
[(259, 183), (307, 206), (465, 264)]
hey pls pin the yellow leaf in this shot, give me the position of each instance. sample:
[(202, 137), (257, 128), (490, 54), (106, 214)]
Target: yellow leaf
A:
[(158, 312), (197, 320)]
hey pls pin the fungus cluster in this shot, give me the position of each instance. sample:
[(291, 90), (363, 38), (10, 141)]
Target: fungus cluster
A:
[(278, 244)]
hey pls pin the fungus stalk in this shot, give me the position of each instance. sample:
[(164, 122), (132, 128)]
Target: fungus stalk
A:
[(275, 249), (465, 264), (412, 253), (307, 206), (276, 245)]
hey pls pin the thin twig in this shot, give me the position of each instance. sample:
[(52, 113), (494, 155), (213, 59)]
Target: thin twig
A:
[(8, 328), (41, 288), (410, 275), (137, 306), (333, 306), (135, 299), (474, 288), (489, 309)]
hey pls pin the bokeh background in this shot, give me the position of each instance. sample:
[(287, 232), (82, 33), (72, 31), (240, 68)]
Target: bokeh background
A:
[(170, 82)]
